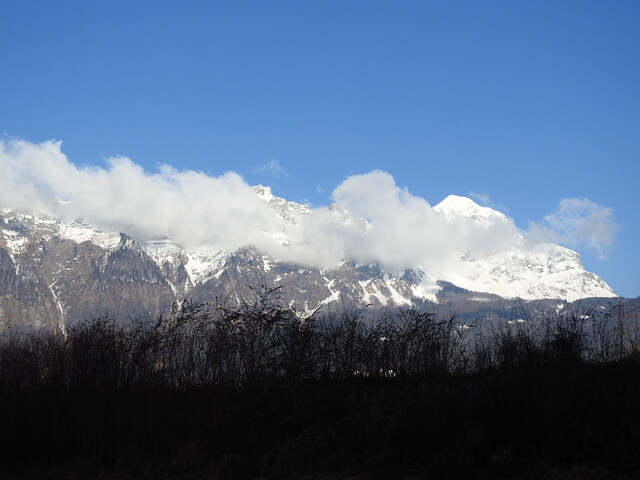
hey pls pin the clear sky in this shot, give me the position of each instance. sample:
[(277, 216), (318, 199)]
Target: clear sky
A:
[(517, 104)]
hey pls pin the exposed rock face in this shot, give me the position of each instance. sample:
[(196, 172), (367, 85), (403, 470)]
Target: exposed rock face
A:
[(53, 281)]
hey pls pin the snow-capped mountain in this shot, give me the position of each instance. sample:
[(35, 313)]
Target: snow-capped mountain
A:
[(455, 208), (54, 272), (525, 270)]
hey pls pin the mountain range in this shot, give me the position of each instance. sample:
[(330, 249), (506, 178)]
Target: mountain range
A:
[(54, 272)]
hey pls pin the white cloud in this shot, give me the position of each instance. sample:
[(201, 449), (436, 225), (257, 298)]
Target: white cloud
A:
[(401, 228), (577, 222), (187, 206), (385, 224)]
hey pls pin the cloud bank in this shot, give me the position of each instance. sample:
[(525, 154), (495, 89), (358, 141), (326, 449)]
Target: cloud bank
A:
[(372, 220)]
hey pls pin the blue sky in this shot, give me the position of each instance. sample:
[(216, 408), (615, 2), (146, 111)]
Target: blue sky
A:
[(520, 103)]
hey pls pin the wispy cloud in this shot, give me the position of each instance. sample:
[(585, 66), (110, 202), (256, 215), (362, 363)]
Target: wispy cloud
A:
[(273, 168), (577, 222), (481, 198), (485, 200)]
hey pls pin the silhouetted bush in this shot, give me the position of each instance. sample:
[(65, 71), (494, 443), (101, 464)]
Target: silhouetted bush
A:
[(247, 389)]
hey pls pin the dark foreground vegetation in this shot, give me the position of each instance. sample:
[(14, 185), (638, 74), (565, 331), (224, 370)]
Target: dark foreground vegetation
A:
[(256, 391)]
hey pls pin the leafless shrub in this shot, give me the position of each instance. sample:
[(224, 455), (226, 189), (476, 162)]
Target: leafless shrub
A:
[(193, 344)]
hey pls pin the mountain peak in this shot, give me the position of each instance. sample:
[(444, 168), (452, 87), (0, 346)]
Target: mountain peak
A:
[(289, 211), (263, 192), (455, 207), (457, 201)]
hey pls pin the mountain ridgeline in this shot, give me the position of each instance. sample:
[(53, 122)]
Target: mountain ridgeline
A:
[(54, 273)]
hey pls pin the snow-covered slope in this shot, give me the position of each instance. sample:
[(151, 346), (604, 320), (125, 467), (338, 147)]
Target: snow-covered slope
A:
[(525, 270), (530, 272)]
